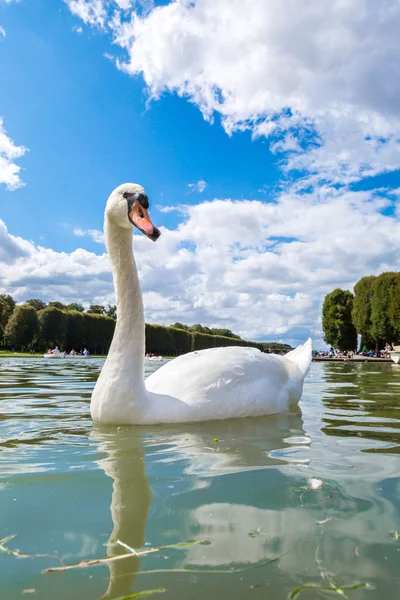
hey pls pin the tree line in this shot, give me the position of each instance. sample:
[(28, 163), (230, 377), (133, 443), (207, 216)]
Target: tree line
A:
[(35, 325), (209, 330), (373, 312)]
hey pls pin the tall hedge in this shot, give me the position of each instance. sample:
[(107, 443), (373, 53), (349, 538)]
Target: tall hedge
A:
[(181, 340), (169, 340), (53, 324), (99, 331), (76, 330), (73, 329), (201, 341)]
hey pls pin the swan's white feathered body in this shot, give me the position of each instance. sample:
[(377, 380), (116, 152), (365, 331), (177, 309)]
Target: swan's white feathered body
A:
[(222, 383), (218, 383)]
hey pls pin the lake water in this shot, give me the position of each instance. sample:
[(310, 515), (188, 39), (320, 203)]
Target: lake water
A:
[(240, 486)]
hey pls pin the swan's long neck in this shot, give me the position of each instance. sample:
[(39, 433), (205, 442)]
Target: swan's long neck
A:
[(128, 345)]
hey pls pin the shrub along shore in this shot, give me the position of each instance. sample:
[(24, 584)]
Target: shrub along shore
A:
[(29, 330), (95, 332), (34, 327), (173, 342)]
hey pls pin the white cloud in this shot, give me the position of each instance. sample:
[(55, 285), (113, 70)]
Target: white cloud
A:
[(124, 4), (168, 209), (261, 269), (28, 270), (96, 235), (9, 171), (321, 76), (2, 32), (92, 12), (199, 186)]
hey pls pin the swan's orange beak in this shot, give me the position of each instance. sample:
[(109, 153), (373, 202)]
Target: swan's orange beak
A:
[(139, 216)]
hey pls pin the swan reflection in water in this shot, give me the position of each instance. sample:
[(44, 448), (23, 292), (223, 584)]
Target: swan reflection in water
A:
[(130, 503), (279, 449)]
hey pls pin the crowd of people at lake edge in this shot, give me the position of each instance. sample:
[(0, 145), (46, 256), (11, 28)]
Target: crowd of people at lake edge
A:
[(364, 351), (56, 350)]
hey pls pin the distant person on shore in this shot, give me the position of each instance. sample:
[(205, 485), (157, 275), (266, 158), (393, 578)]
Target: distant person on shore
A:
[(55, 350), (85, 352), (73, 353)]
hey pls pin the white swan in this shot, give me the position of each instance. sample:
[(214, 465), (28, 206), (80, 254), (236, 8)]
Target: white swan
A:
[(218, 383)]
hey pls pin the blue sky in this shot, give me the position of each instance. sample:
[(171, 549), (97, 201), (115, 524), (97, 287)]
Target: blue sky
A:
[(281, 119), (88, 129)]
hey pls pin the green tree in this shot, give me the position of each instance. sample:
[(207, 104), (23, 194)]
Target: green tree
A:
[(385, 308), (76, 306), (394, 309), (111, 311), (36, 303), (22, 326), (96, 309), (361, 312), (198, 328), (7, 305), (178, 325), (224, 332), (57, 304), (53, 327), (337, 324)]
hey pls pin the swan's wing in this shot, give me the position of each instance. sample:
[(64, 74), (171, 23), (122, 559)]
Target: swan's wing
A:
[(228, 382), (302, 356)]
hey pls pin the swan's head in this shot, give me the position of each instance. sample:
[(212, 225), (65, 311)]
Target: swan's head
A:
[(128, 205)]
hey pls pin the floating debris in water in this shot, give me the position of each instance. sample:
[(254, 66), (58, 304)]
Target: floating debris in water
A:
[(160, 590), (328, 584), (315, 484), (328, 497), (332, 589), (256, 532)]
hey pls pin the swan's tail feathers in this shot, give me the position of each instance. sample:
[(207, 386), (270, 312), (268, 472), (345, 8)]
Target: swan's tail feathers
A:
[(302, 356)]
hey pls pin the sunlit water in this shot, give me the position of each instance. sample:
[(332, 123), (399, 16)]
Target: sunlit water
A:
[(71, 489)]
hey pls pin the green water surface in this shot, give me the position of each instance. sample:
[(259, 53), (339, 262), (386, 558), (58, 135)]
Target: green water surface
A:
[(241, 486)]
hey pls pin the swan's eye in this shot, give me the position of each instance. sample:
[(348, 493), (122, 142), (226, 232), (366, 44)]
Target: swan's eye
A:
[(126, 194)]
